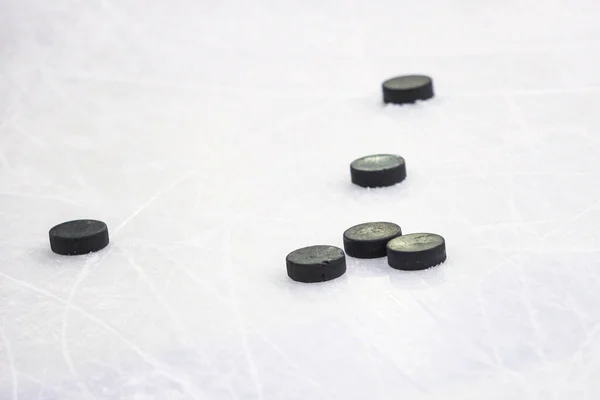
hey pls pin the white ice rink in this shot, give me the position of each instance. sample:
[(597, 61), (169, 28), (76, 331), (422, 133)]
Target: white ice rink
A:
[(214, 137)]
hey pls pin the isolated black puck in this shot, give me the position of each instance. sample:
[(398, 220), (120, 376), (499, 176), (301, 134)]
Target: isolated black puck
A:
[(407, 89), (368, 240), (78, 237), (416, 251), (316, 263), (378, 170)]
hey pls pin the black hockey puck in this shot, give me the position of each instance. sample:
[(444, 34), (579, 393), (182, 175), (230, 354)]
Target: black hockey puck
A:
[(378, 170), (369, 240), (416, 251), (407, 89), (316, 263), (78, 237)]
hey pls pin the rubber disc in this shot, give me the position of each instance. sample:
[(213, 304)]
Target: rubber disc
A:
[(369, 240), (407, 89), (78, 237), (378, 170), (416, 251), (316, 263)]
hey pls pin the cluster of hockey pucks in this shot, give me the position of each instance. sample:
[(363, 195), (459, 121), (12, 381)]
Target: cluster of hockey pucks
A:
[(412, 252)]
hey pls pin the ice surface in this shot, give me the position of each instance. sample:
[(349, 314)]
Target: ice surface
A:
[(215, 136)]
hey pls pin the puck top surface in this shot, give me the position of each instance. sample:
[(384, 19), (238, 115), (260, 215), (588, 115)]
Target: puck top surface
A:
[(415, 242), (372, 231), (78, 229), (377, 162), (407, 82), (312, 255)]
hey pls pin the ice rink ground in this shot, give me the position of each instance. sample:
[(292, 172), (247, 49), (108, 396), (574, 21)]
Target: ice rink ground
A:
[(215, 137)]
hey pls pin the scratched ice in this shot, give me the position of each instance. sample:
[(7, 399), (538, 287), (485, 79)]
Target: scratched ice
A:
[(215, 137)]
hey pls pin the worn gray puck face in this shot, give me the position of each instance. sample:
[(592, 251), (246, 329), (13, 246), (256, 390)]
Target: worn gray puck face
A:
[(377, 162), (368, 240), (378, 170), (416, 242), (316, 263), (407, 82), (372, 231), (416, 251), (78, 237)]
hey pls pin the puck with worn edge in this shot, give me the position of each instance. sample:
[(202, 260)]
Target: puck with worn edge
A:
[(378, 170), (316, 263), (416, 251), (78, 237), (407, 89), (369, 240)]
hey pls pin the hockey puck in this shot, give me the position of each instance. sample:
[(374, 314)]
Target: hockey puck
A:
[(416, 251), (78, 237), (378, 170), (407, 89), (368, 240), (316, 263)]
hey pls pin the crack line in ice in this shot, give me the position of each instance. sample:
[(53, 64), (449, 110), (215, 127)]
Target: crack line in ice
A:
[(526, 92), (65, 318), (6, 123), (223, 89), (43, 385), (391, 360), (64, 156), (118, 372), (141, 353), (450, 330), (530, 309), (571, 220), (40, 197), (488, 329), (371, 344), (41, 382), (4, 162), (142, 273), (164, 190), (239, 318), (11, 363), (288, 359), (522, 129), (590, 338), (199, 282), (368, 339)]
